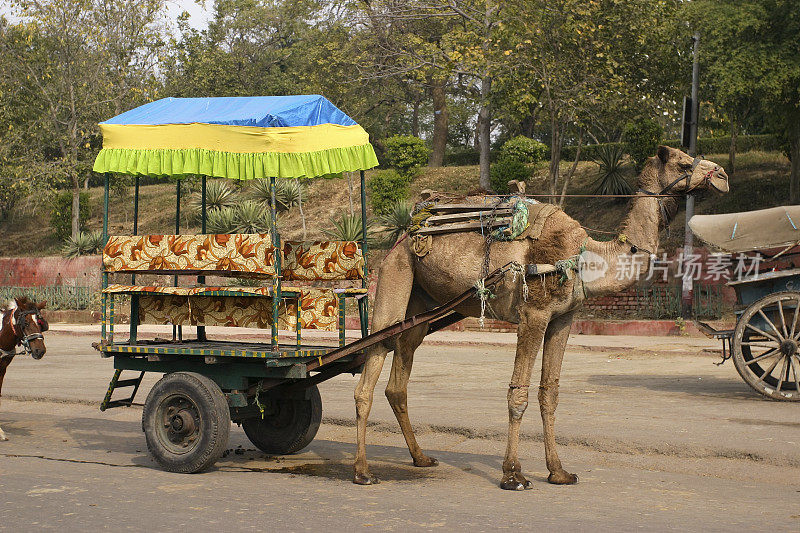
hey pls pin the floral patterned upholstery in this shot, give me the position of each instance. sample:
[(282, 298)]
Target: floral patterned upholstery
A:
[(240, 255), (246, 255), (322, 261), (318, 310)]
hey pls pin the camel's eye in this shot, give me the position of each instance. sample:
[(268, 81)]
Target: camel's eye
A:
[(685, 166)]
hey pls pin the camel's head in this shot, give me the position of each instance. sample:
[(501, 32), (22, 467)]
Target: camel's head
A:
[(678, 172)]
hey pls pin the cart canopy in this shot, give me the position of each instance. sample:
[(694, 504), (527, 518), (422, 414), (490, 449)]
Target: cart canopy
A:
[(235, 137), (750, 230)]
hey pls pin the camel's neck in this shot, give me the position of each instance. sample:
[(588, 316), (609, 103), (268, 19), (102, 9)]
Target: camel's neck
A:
[(639, 229)]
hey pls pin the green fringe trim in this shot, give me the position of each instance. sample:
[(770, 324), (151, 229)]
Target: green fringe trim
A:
[(246, 166)]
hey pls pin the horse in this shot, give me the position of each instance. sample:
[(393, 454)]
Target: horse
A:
[(22, 325)]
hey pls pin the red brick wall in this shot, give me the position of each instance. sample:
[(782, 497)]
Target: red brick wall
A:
[(48, 271)]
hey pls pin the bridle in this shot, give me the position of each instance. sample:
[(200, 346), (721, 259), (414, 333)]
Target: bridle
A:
[(665, 192), (686, 176), (18, 325)]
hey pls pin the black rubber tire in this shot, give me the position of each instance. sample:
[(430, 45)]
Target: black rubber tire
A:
[(291, 426), (210, 419)]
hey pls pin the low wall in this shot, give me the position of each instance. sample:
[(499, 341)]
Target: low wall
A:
[(50, 271)]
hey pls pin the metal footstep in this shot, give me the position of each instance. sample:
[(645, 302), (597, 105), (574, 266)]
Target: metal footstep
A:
[(117, 383)]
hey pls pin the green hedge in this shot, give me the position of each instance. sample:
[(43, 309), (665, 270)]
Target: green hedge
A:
[(705, 145)]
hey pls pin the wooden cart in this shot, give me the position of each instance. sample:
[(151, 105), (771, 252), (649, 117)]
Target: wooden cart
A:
[(259, 280), (764, 343)]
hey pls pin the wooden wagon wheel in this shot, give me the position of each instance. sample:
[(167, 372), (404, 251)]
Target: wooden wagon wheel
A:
[(765, 346)]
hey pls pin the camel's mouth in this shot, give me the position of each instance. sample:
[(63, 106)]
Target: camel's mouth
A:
[(718, 181)]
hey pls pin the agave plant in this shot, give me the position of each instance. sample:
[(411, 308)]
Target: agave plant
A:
[(96, 241), (347, 227), (219, 194), (84, 244), (252, 217), (397, 220), (610, 177), (287, 193), (221, 220)]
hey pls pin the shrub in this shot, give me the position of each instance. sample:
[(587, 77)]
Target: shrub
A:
[(405, 153), (84, 244), (221, 220), (462, 157), (252, 217), (61, 213), (11, 191), (523, 149), (505, 170), (610, 177), (347, 227), (387, 187), (287, 193), (219, 194), (396, 221), (641, 139), (120, 185)]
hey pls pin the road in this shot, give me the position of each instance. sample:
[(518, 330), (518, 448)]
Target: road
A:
[(661, 439)]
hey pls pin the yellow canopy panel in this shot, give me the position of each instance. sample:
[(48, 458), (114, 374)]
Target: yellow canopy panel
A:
[(237, 137)]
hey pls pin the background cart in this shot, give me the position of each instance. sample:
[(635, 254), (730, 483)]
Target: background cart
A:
[(764, 343)]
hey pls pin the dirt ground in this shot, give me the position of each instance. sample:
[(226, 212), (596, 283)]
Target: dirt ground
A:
[(661, 439)]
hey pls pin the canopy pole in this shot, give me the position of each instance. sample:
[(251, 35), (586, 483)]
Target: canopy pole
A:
[(363, 303), (276, 279), (175, 329), (104, 297), (106, 179), (136, 206), (135, 216), (201, 330)]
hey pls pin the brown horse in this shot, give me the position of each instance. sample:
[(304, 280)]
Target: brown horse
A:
[(22, 325)]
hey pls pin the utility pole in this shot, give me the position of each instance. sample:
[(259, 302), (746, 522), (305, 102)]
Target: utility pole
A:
[(688, 242)]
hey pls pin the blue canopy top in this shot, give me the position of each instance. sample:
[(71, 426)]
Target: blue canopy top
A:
[(258, 111)]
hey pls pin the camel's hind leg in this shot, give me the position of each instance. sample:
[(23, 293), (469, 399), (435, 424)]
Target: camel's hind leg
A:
[(532, 325), (397, 388), (555, 341), (391, 301)]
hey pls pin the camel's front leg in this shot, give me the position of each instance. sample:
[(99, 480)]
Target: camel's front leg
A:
[(530, 332), (395, 281), (397, 388), (555, 341)]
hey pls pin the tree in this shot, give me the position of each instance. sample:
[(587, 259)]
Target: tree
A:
[(78, 61), (589, 55), (750, 58)]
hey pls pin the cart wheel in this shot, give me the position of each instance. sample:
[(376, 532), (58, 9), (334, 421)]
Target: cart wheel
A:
[(186, 422), (289, 424), (765, 346)]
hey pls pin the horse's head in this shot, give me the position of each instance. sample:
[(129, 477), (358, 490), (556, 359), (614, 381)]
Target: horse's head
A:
[(28, 325)]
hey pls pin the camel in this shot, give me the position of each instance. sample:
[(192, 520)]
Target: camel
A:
[(454, 264)]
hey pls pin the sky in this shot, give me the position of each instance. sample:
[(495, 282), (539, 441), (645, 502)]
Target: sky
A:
[(200, 13)]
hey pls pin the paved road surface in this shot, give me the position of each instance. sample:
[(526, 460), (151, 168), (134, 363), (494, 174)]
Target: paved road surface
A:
[(660, 437)]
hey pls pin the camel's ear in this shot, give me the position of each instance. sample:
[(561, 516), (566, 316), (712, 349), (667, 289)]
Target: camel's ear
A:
[(663, 153), (41, 305)]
